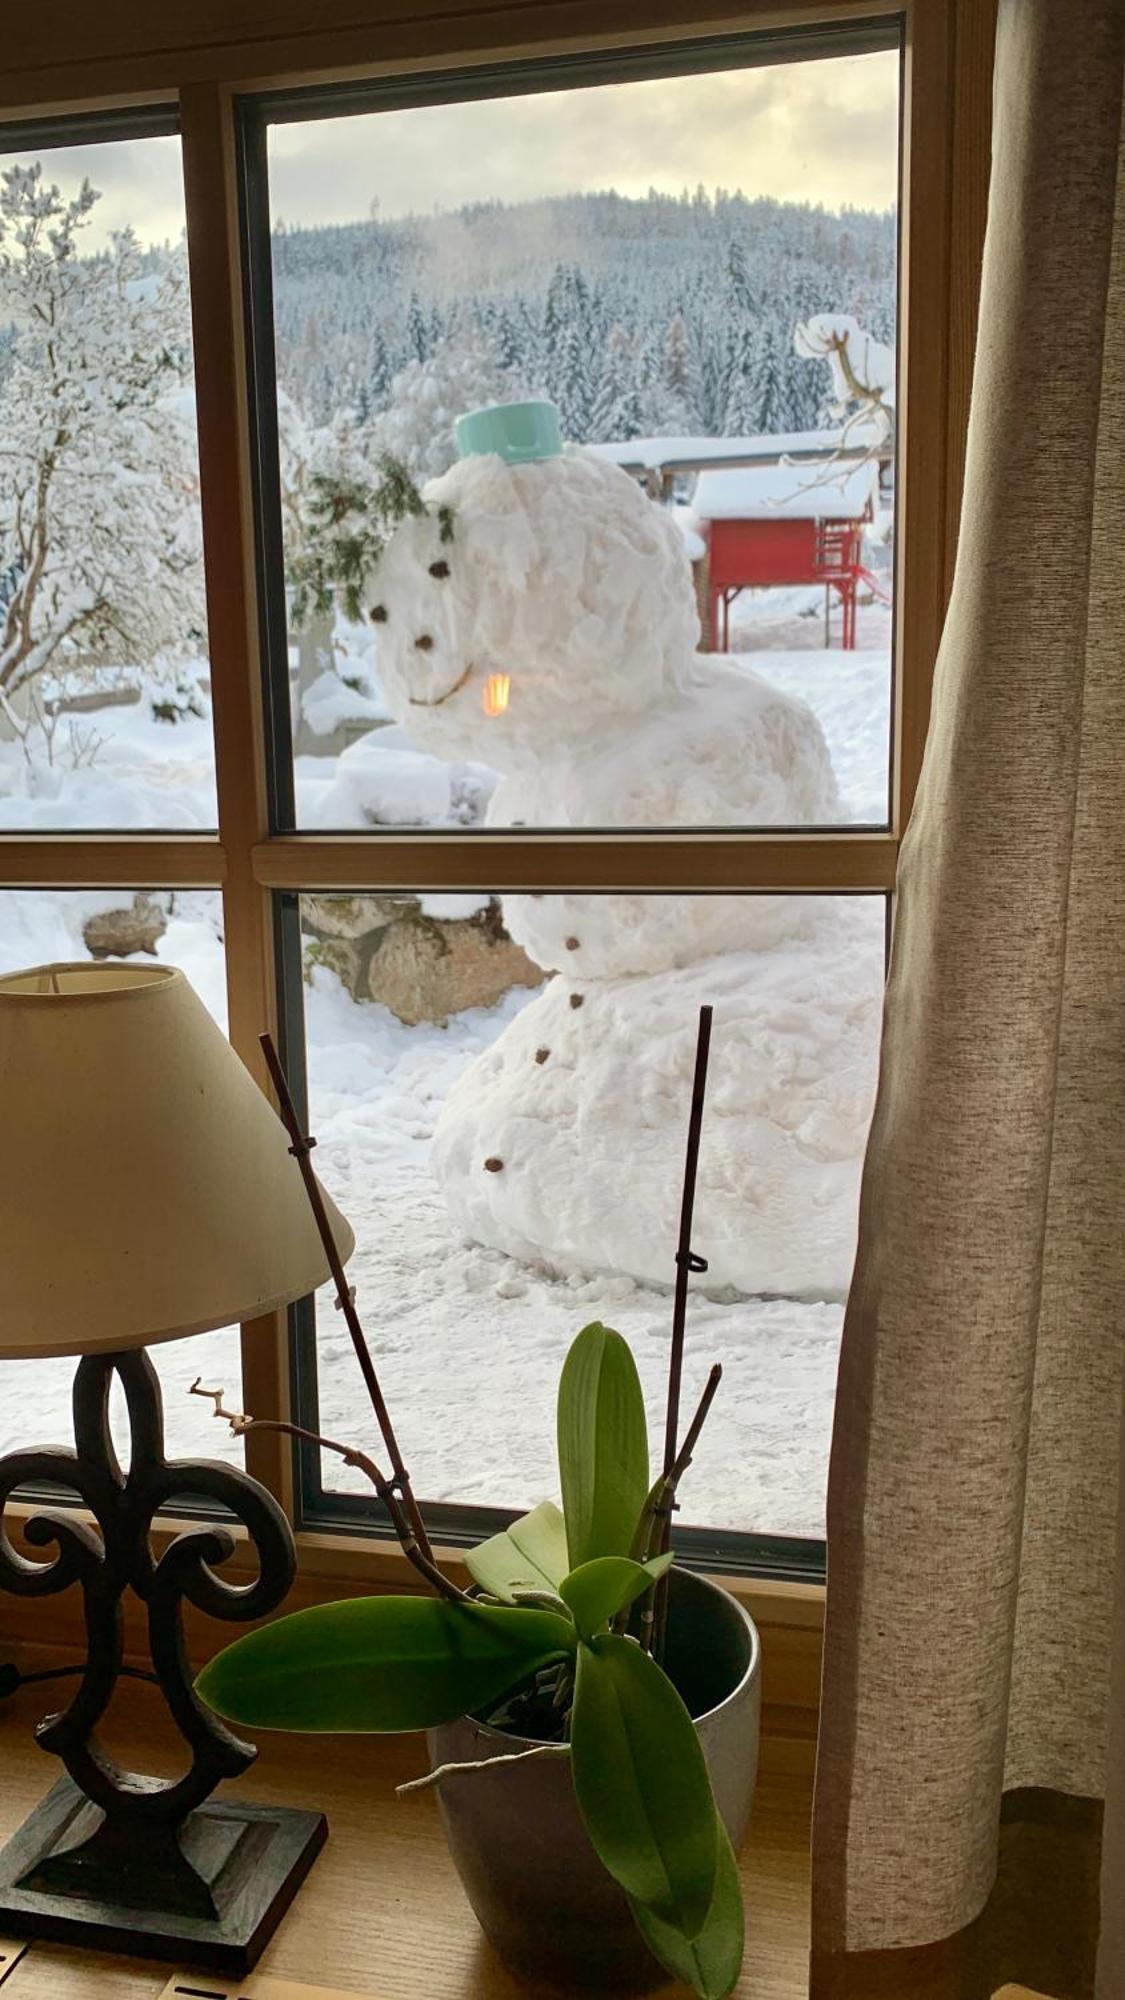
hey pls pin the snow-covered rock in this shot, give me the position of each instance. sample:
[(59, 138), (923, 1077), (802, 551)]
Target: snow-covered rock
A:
[(563, 1143)]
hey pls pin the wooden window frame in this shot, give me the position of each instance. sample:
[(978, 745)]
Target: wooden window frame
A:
[(192, 55)]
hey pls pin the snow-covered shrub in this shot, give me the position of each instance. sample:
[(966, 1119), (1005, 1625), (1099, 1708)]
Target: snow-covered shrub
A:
[(463, 372)]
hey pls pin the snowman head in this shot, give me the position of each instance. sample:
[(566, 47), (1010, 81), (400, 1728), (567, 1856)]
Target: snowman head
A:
[(561, 600)]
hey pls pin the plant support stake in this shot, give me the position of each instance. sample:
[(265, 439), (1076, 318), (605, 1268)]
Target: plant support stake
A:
[(301, 1146), (687, 1263)]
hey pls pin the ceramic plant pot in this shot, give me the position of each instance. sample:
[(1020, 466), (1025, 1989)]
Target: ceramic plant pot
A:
[(539, 1892)]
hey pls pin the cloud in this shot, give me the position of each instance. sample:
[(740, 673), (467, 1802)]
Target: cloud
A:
[(140, 181), (823, 132)]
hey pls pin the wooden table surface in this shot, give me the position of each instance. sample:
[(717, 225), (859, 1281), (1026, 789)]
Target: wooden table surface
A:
[(382, 1913)]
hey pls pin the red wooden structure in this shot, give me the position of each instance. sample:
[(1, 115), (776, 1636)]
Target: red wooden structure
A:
[(765, 532)]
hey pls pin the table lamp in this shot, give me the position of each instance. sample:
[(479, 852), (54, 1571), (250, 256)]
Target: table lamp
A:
[(146, 1193)]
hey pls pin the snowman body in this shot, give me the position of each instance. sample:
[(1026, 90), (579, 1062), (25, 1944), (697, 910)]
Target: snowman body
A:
[(563, 1143)]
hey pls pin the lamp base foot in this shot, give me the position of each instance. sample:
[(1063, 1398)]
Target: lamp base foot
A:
[(212, 1895)]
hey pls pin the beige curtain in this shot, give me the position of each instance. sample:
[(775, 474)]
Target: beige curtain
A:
[(973, 1716)]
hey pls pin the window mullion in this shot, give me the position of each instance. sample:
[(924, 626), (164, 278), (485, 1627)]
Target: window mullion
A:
[(214, 259), (620, 861)]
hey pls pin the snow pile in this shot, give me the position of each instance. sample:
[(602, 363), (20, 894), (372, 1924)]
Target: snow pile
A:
[(563, 576), (434, 1302), (133, 772), (384, 780), (378, 787), (329, 703), (561, 1143)]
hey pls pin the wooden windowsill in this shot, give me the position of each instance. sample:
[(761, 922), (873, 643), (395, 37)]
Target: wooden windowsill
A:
[(382, 1913), (790, 1618)]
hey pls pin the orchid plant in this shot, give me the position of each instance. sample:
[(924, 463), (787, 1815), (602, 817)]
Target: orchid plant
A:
[(559, 1642)]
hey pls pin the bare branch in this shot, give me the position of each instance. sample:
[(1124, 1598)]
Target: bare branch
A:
[(422, 1559), (301, 1146)]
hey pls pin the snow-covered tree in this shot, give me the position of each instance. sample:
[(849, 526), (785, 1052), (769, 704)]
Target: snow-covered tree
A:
[(418, 338), (426, 397), (521, 272), (681, 375), (861, 370), (617, 407), (740, 410), (574, 382), (99, 517), (768, 378)]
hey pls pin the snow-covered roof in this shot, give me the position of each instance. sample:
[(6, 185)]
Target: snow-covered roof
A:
[(785, 492), (645, 454)]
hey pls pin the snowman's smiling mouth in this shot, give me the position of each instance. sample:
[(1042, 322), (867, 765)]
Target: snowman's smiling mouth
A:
[(435, 701)]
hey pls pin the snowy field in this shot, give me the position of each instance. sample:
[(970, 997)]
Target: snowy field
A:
[(470, 1341)]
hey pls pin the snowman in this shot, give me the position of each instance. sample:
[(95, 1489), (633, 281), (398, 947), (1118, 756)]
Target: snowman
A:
[(552, 635)]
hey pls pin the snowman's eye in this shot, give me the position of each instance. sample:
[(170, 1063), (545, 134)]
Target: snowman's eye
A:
[(440, 569), (378, 614), (424, 643)]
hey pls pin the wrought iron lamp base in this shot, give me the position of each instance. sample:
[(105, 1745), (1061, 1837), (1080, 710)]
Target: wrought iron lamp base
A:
[(211, 1894), (111, 1858)]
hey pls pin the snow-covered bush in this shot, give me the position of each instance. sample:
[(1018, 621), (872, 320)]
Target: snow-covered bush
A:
[(100, 555), (464, 372)]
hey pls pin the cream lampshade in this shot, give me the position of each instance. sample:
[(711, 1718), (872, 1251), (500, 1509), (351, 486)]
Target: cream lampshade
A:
[(147, 1190)]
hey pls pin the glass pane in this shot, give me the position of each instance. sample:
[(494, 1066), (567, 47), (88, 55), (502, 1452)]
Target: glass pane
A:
[(687, 619), (182, 928), (508, 1146), (105, 699)]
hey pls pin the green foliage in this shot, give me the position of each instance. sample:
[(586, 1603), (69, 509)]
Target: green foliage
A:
[(392, 1663), (380, 1663), (346, 527), (603, 1445), (596, 1591), (642, 1783), (711, 1961), (530, 1555)]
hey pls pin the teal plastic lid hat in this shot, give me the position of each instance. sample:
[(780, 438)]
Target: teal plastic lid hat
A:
[(517, 432)]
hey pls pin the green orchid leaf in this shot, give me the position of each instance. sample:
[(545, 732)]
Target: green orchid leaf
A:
[(711, 1961), (642, 1783), (530, 1555), (603, 1445), (373, 1664), (598, 1590)]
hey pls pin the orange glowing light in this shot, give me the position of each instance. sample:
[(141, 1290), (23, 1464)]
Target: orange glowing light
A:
[(497, 693)]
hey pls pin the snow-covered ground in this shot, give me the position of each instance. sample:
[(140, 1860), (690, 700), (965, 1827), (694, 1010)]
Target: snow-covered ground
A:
[(470, 1341)]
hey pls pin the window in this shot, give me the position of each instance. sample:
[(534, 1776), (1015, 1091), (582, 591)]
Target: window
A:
[(700, 318), (105, 710), (511, 1172), (376, 875)]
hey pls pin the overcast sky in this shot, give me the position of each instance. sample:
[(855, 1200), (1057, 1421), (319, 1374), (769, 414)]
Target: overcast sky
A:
[(822, 132)]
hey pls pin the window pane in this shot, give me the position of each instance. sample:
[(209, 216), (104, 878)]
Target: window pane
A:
[(508, 1146), (182, 928), (699, 271), (105, 702)]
